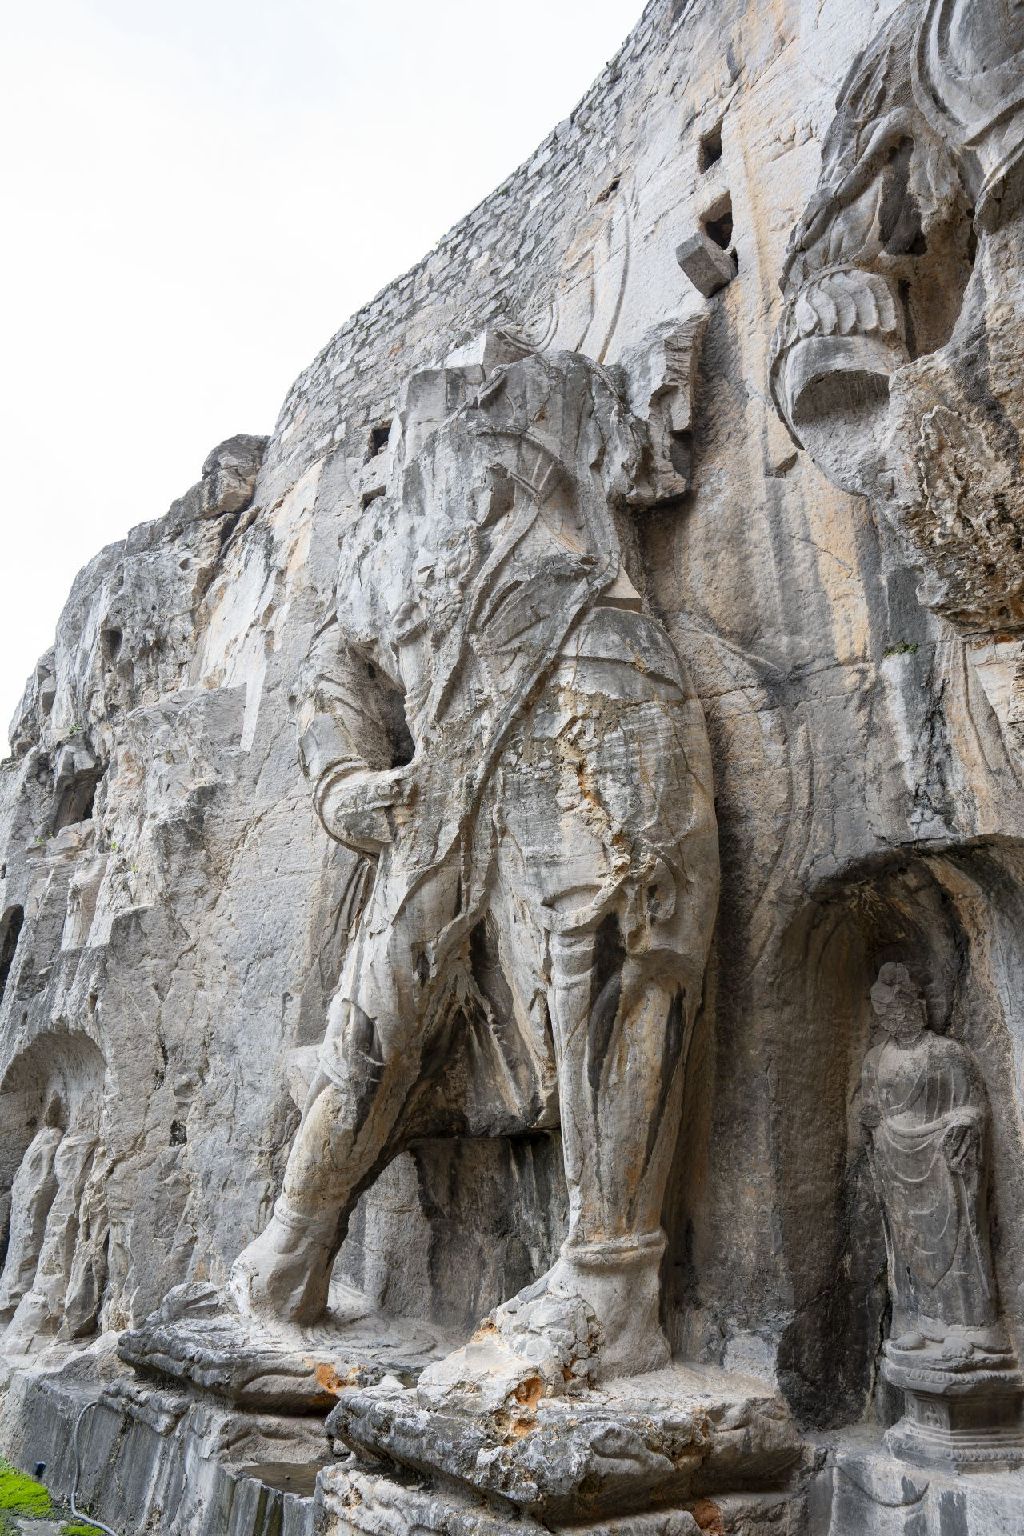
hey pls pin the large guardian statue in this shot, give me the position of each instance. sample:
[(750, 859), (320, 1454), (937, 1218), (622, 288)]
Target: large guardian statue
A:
[(502, 728)]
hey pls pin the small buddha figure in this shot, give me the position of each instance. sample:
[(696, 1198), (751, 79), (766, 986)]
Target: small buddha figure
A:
[(32, 1195), (926, 1111)]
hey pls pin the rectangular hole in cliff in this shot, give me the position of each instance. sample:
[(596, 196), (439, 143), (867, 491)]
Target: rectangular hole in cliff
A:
[(372, 496), (717, 222), (111, 640), (77, 800), (378, 440), (680, 452), (709, 150), (10, 933)]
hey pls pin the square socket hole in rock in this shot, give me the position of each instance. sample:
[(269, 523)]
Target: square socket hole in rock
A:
[(717, 222), (709, 148), (378, 439)]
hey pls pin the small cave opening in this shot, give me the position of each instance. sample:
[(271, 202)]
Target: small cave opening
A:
[(111, 640), (10, 932), (717, 222), (77, 800), (378, 439), (709, 149)]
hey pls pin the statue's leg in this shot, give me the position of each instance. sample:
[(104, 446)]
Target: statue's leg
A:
[(621, 1026), (370, 1068), (609, 831)]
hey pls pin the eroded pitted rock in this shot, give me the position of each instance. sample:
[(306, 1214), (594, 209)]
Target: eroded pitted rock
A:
[(897, 360), (664, 1440)]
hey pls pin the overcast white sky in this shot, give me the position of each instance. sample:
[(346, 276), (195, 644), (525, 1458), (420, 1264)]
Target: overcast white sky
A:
[(194, 194)]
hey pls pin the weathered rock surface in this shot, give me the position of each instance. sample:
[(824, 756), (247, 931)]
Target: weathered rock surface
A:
[(664, 1439), (265, 1369), (811, 507)]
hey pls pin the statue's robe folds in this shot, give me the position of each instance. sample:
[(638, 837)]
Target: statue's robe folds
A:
[(496, 585), (939, 1257), (553, 782)]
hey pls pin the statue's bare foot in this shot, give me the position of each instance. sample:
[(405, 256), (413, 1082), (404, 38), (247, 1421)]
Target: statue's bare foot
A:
[(957, 1351), (284, 1275), (594, 1315)]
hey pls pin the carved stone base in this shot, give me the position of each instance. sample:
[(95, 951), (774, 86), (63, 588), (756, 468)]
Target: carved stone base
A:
[(654, 1442), (197, 1339), (866, 1492), (143, 1458), (957, 1420), (353, 1501)]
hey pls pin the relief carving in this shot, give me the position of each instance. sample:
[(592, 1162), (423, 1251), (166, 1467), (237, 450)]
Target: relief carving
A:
[(32, 1194), (896, 362), (925, 1110), (505, 733), (55, 1263)]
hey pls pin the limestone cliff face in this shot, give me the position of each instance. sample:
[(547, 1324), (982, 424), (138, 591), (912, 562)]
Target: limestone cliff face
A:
[(173, 917)]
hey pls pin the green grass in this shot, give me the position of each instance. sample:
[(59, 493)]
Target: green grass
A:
[(22, 1495)]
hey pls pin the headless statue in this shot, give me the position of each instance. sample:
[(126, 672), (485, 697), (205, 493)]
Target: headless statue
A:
[(506, 733)]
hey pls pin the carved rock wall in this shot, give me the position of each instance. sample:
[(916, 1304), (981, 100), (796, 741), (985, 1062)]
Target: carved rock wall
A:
[(184, 913)]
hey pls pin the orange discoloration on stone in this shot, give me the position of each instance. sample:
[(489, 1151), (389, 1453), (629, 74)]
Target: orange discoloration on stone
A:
[(708, 1516), (529, 1392), (328, 1379)]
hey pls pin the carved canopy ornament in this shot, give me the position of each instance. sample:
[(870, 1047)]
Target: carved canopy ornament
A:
[(896, 361), (969, 83)]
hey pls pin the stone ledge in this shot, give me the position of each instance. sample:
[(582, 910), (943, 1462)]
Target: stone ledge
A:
[(353, 1501), (162, 1461), (652, 1441)]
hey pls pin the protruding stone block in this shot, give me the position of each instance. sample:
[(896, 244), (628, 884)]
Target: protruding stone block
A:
[(706, 264)]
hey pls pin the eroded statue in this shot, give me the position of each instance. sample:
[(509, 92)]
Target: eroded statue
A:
[(925, 1110), (896, 362), (32, 1195), (507, 734)]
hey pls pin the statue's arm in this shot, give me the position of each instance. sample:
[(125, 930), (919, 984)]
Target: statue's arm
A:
[(964, 1134), (351, 732), (870, 1111)]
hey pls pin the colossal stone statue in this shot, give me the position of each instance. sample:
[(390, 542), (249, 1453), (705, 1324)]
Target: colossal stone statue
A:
[(556, 806), (500, 726)]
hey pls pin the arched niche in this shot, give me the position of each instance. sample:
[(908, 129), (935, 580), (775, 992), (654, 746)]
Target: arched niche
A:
[(11, 924), (50, 1106), (956, 917)]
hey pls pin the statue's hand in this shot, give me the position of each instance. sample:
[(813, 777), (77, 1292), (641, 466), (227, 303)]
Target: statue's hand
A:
[(361, 808), (870, 1117), (961, 1141)]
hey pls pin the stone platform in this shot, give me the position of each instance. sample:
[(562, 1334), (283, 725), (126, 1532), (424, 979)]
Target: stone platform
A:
[(194, 1341), (661, 1442), (670, 1454), (866, 1491), (356, 1501), (160, 1460), (957, 1420)]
